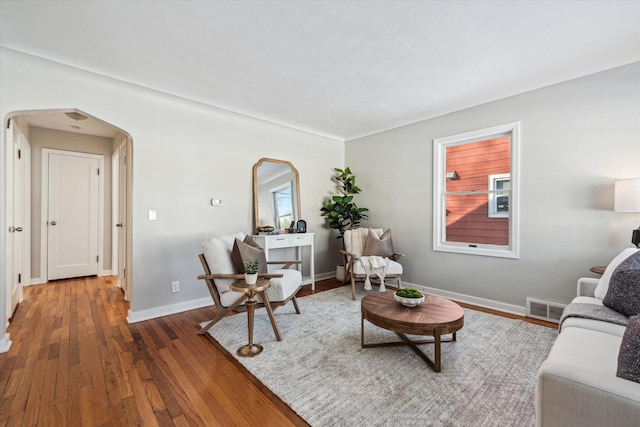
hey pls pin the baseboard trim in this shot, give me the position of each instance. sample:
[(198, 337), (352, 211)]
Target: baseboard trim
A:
[(322, 276), (468, 299), (166, 310), (37, 281), (5, 343)]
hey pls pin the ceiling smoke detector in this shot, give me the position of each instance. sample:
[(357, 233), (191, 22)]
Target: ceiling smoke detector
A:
[(76, 116)]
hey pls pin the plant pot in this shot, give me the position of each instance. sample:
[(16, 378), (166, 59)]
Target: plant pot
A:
[(340, 273), (251, 279)]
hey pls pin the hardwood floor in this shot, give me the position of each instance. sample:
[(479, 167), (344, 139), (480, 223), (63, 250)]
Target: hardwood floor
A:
[(76, 362)]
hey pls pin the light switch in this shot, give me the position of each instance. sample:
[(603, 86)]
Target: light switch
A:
[(217, 202), (152, 214)]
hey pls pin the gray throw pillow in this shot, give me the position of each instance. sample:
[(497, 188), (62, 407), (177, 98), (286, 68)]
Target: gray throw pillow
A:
[(623, 294), (244, 252), (380, 246), (629, 355)]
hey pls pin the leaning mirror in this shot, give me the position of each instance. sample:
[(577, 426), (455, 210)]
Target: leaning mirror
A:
[(276, 194)]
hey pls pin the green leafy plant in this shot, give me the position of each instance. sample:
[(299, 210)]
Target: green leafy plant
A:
[(341, 211), (251, 267), (408, 293)]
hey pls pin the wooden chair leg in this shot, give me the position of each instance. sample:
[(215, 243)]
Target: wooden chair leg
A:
[(267, 305), (221, 314), (295, 304), (353, 288)]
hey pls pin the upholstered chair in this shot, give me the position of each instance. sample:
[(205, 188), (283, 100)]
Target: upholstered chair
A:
[(369, 253)]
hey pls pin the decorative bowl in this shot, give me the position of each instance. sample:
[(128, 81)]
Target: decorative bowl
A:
[(408, 302)]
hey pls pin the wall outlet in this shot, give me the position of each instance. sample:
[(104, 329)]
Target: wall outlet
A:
[(175, 287)]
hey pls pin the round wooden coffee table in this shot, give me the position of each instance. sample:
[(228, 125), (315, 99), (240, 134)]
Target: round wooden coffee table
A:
[(435, 317)]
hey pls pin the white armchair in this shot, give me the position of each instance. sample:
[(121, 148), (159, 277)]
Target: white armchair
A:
[(220, 272), (369, 253)]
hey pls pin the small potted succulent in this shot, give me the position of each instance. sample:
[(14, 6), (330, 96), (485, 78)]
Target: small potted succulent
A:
[(251, 272)]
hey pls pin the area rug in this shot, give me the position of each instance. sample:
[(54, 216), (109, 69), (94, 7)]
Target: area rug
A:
[(319, 369)]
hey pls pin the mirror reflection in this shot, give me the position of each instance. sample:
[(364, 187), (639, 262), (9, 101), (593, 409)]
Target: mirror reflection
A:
[(276, 194)]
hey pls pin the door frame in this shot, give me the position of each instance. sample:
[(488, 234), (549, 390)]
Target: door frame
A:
[(44, 235), (115, 206), (25, 221), (15, 139)]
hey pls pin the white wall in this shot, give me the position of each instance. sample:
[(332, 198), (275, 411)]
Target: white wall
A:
[(578, 137), (184, 154)]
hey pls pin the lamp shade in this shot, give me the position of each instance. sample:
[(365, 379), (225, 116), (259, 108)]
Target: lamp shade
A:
[(627, 195)]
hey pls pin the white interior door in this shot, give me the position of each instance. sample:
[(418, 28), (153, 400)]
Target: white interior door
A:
[(122, 223), (72, 221), (20, 219)]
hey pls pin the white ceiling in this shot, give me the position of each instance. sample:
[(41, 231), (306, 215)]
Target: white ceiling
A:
[(342, 69)]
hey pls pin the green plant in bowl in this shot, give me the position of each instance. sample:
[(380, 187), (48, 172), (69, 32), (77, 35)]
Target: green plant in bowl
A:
[(409, 293)]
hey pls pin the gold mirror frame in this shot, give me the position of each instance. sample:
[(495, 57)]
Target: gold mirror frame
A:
[(256, 204)]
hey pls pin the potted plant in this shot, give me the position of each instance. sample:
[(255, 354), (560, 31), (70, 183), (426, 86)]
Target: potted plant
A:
[(341, 211), (251, 272)]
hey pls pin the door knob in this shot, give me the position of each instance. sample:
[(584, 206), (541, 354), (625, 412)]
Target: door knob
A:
[(119, 224), (15, 229), (53, 223)]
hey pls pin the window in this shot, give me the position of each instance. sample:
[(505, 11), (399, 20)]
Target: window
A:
[(476, 192), (283, 206), (499, 200)]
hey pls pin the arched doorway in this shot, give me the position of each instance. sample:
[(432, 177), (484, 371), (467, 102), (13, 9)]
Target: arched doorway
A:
[(29, 135)]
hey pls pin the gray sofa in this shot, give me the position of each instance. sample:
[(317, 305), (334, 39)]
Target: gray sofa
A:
[(577, 383)]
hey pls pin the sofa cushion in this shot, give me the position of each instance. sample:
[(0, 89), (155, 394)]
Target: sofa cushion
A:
[(244, 252), (577, 384), (379, 246), (629, 356), (603, 283), (624, 288)]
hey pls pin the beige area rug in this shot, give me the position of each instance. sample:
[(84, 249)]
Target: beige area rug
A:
[(319, 369)]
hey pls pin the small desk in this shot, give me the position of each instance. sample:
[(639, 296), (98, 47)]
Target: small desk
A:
[(269, 242), (260, 287)]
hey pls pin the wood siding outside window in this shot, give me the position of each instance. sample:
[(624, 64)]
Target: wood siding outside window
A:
[(468, 215)]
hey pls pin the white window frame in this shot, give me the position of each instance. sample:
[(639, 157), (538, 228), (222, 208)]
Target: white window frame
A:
[(494, 193), (440, 243)]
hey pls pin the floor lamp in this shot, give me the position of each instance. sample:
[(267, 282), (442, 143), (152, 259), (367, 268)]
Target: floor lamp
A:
[(627, 199)]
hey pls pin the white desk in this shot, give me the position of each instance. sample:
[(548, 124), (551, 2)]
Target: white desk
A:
[(289, 240)]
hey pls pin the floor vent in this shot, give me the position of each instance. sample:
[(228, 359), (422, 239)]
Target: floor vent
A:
[(544, 310)]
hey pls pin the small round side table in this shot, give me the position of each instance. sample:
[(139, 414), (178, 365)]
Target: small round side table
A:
[(259, 287)]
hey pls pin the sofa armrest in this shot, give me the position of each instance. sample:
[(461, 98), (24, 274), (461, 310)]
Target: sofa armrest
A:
[(587, 286)]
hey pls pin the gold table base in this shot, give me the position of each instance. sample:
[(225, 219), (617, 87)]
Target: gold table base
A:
[(249, 350)]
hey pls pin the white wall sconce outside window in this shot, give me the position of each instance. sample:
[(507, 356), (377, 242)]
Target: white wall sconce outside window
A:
[(453, 176)]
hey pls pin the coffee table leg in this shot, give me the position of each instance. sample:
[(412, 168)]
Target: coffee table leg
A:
[(436, 337), (361, 329)]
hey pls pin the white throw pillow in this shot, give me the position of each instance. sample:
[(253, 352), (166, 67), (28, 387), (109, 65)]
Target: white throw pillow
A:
[(603, 283)]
